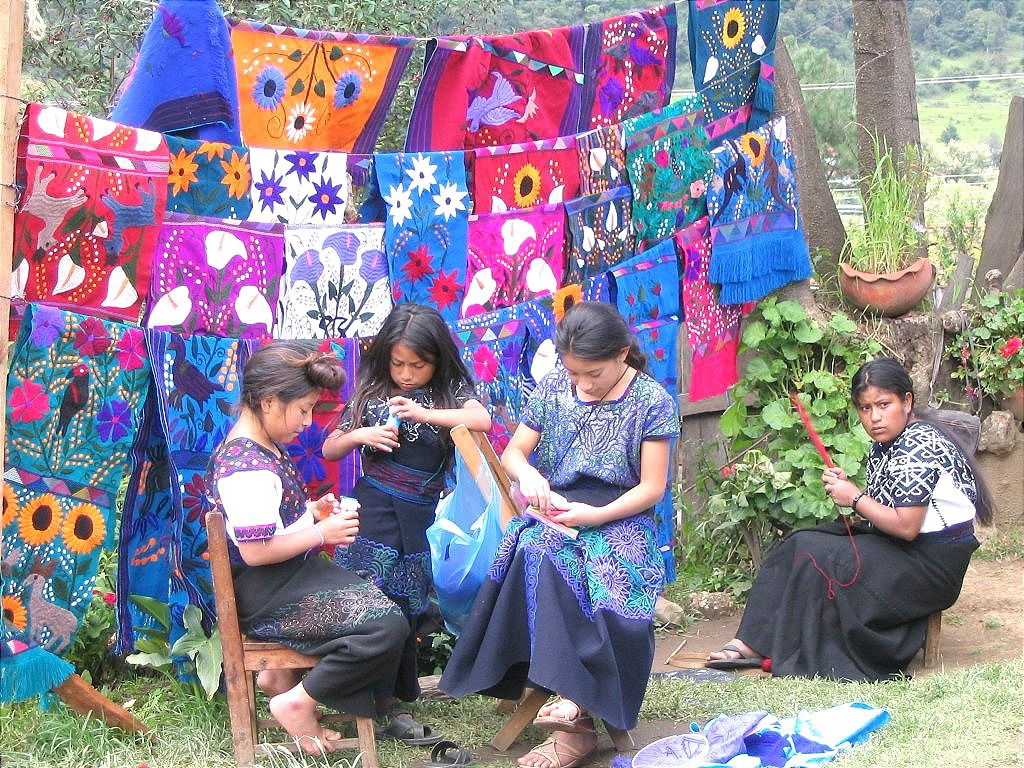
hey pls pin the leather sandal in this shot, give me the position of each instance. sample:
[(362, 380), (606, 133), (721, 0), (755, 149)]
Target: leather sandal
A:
[(561, 755), (582, 723)]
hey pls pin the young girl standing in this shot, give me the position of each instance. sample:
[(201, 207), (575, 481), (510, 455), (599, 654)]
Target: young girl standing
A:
[(412, 388), (576, 616)]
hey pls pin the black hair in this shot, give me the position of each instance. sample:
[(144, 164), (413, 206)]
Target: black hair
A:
[(889, 375), (595, 331), (424, 331), (288, 370)]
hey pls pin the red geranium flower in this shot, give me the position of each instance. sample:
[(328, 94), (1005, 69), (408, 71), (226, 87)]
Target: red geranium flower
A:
[(1011, 347), (728, 471), (444, 291), (418, 265), (91, 338), (28, 402)]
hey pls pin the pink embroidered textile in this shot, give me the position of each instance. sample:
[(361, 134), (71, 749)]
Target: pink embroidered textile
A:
[(519, 176)]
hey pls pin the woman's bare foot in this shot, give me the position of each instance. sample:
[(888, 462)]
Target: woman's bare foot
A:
[(733, 650), (295, 710), (563, 709), (563, 749), (274, 682)]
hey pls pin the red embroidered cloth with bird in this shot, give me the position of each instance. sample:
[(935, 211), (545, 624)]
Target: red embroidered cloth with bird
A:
[(95, 193)]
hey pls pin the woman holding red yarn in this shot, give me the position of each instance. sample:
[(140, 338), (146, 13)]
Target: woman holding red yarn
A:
[(853, 604)]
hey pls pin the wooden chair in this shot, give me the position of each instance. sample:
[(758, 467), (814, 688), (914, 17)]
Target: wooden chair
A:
[(243, 658), (476, 452)]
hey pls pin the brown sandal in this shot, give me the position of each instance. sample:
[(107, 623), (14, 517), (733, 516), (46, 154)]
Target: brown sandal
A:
[(582, 723), (555, 751)]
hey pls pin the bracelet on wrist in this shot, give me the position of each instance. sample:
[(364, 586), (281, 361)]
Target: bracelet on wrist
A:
[(316, 527), (858, 497)]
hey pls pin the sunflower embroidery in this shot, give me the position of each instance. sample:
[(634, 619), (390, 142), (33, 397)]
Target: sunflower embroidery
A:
[(84, 529), (733, 26), (347, 89), (236, 175), (565, 298), (212, 149), (14, 612), (39, 520), (11, 507), (300, 122), (268, 90), (183, 172), (526, 186), (753, 146)]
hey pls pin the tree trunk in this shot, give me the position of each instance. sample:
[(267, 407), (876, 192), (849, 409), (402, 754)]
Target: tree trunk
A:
[(823, 227), (1003, 241), (886, 91)]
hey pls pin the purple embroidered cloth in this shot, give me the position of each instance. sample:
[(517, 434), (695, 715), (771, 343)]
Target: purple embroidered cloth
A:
[(216, 277), (513, 257)]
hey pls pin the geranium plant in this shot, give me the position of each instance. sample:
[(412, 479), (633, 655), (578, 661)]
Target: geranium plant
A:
[(990, 352)]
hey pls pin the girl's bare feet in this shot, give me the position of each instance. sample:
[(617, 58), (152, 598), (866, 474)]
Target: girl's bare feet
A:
[(735, 650), (295, 710), (276, 681)]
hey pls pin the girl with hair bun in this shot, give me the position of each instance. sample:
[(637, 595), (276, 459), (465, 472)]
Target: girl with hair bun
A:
[(285, 592), (575, 616)]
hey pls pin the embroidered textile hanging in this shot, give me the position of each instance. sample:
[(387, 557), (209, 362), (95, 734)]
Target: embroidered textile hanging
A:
[(94, 197), (491, 346), (183, 80), (602, 160), (601, 233), (513, 257), (630, 65), (712, 329), (757, 244), (336, 284), (667, 154), (493, 91), (647, 286), (522, 176), (427, 201), (216, 277), (197, 387), (305, 89), (298, 187), (76, 388), (539, 355), (208, 178), (732, 54)]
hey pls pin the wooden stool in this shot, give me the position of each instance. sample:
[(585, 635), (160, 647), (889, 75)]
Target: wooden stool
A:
[(243, 658), (931, 640)]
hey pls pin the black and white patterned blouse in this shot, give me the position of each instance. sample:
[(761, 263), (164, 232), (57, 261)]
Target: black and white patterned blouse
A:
[(923, 467)]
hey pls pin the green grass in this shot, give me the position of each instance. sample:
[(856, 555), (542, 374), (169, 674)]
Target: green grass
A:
[(974, 713)]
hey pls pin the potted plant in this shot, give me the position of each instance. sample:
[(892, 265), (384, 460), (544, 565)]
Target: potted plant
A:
[(881, 268), (990, 352)]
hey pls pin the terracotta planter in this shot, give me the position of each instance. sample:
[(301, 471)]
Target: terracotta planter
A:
[(1015, 403), (890, 294)]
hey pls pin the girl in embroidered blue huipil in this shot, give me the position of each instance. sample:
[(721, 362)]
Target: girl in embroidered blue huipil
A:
[(575, 616), (285, 592), (412, 388)]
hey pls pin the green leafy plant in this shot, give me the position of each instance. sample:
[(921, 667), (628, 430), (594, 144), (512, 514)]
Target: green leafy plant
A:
[(197, 656), (773, 484), (961, 234), (889, 238), (990, 352), (709, 556), (90, 652)]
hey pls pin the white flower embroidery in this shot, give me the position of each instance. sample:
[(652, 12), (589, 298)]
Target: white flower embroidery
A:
[(300, 122), (449, 201), (421, 175), (399, 204)]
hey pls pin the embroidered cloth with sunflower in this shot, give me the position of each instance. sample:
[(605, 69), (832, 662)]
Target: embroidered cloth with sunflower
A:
[(208, 178), (76, 388), (521, 176)]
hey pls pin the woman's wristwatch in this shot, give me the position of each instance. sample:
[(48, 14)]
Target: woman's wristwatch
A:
[(858, 497)]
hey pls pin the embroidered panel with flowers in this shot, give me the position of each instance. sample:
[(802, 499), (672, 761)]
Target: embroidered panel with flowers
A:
[(712, 329), (94, 196), (306, 89), (513, 257), (427, 204), (492, 91), (208, 178), (647, 286), (732, 54), (601, 233), (183, 79), (76, 389), (670, 166), (518, 176), (631, 65), (539, 356), (216, 277), (491, 346), (298, 187), (602, 158), (757, 242), (336, 283), (197, 385)]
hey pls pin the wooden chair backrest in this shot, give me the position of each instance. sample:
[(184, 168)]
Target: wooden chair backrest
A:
[(224, 590), (476, 452)]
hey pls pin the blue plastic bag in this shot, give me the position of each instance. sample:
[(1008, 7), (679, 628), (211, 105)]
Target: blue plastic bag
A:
[(463, 541)]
